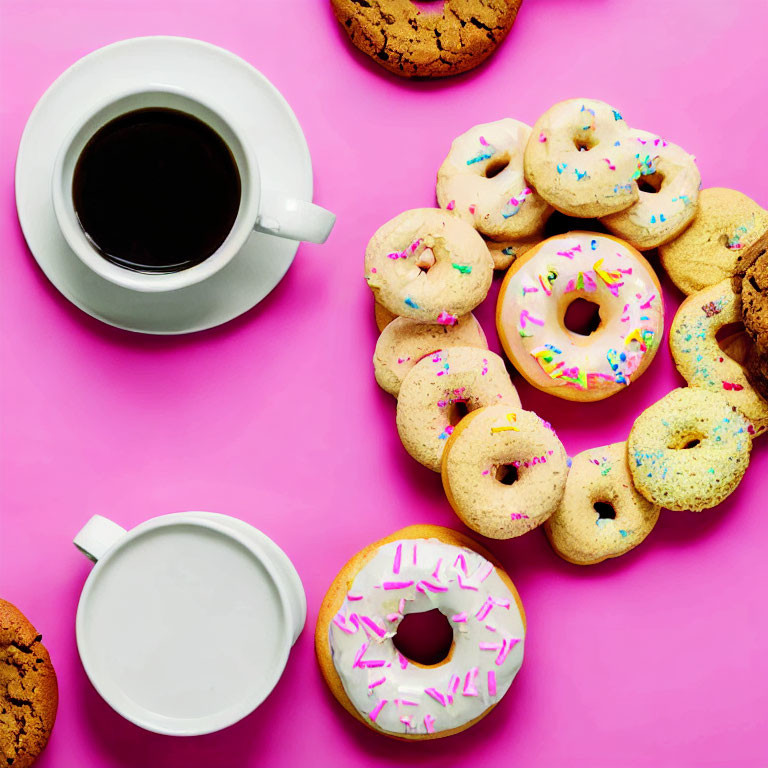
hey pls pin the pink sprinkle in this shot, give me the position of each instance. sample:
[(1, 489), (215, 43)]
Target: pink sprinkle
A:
[(526, 315), (462, 563), (359, 655), (393, 617), (373, 626), (397, 584), (454, 683), (407, 703), (436, 695), (403, 661), (433, 587), (406, 721), (398, 555), (491, 683), (542, 137), (464, 584), (378, 682), (429, 723), (483, 141), (472, 209), (506, 646), (414, 554), (490, 646), (375, 711), (647, 304), (488, 572), (610, 164), (354, 597), (459, 617), (437, 569), (401, 605), (374, 663), (341, 623), (373, 270), (445, 319), (732, 386), (490, 628), (484, 609), (450, 205), (469, 682)]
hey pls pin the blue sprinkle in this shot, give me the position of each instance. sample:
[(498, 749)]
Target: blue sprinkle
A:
[(653, 219), (411, 303), (617, 116), (662, 217), (579, 174), (622, 532), (568, 460), (616, 143), (561, 167), (594, 245)]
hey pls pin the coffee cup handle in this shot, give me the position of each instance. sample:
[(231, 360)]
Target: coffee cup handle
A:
[(97, 536), (293, 219)]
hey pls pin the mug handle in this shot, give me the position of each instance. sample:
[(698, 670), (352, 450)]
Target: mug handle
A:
[(97, 536), (293, 219)]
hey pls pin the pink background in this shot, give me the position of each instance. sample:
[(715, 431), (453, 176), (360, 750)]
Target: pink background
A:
[(657, 659)]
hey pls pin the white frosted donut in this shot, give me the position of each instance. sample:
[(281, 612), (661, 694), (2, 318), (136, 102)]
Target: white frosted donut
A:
[(660, 216), (397, 696), (481, 180), (440, 389), (542, 284)]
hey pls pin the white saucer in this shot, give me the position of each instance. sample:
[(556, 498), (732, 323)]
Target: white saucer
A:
[(230, 83)]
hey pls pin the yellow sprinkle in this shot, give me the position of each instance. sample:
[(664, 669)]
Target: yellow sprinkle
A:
[(511, 417)]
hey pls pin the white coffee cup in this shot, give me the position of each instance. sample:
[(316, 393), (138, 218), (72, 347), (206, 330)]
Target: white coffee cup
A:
[(185, 623), (264, 210)]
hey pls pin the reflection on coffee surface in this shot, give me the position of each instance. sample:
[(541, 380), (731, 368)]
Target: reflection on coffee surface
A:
[(156, 190)]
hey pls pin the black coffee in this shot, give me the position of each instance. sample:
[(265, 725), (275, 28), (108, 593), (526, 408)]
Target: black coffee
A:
[(156, 190)]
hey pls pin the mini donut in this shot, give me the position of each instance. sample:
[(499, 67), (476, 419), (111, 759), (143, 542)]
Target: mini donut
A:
[(505, 252), (482, 182), (725, 237), (382, 316), (399, 36), (699, 358), (504, 471), (578, 159), (689, 450), (442, 388), (404, 342), (542, 284), (601, 515), (428, 265), (418, 569), (668, 203)]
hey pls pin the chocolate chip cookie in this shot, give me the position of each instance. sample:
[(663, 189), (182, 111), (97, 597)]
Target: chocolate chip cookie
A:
[(415, 43), (28, 690)]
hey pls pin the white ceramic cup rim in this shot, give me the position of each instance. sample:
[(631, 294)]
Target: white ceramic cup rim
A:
[(137, 98), (162, 724)]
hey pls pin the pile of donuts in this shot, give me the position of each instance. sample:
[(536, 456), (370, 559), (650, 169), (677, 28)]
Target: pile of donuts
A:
[(504, 470)]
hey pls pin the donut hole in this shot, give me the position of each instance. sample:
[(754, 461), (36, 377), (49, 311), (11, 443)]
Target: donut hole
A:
[(582, 317), (496, 165), (506, 474), (425, 638), (734, 341), (585, 142), (686, 442), (605, 510), (457, 410), (651, 183)]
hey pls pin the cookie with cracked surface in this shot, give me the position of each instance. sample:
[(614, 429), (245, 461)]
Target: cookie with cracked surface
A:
[(412, 42), (728, 233), (754, 302), (28, 690)]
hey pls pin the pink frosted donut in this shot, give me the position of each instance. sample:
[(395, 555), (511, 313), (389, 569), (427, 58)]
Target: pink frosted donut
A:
[(537, 293)]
